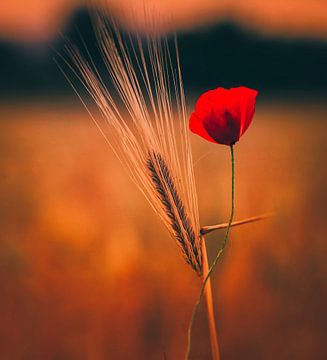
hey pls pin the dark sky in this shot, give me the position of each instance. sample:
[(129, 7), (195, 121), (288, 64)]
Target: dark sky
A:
[(221, 55)]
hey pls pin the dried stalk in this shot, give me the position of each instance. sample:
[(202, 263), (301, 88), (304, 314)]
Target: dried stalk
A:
[(209, 303), (208, 229)]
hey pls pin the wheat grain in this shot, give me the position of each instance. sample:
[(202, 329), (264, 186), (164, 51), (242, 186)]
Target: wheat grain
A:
[(181, 227)]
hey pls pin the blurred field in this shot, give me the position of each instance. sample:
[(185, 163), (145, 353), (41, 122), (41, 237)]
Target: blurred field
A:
[(87, 271)]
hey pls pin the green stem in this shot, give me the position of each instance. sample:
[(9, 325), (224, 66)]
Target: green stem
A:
[(217, 258)]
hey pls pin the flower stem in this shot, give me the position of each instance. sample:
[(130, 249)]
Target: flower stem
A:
[(207, 276)]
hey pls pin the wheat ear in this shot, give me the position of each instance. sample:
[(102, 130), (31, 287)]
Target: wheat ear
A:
[(172, 204), (141, 114)]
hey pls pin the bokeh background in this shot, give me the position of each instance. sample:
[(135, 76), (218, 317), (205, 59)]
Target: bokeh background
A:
[(87, 271)]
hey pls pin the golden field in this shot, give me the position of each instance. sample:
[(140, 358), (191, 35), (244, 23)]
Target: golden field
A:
[(87, 270)]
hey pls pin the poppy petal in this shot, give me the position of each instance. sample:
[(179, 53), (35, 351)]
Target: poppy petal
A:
[(196, 126)]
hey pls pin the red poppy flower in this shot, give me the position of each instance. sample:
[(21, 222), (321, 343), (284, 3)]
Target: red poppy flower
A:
[(223, 115)]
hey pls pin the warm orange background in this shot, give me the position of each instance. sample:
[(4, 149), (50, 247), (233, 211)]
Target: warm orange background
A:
[(87, 271)]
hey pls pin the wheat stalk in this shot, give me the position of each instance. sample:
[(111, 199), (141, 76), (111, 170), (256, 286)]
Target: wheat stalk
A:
[(140, 116)]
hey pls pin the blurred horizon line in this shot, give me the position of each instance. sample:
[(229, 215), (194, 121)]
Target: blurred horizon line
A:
[(224, 54)]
